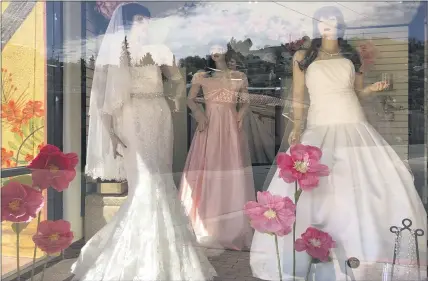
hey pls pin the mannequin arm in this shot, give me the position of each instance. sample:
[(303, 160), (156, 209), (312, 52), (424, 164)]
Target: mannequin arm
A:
[(364, 92), (361, 91), (107, 121), (244, 98), (196, 109), (172, 73), (298, 92)]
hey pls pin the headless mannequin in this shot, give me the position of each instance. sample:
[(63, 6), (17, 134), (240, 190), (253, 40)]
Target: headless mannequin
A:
[(329, 49), (221, 71), (138, 34)]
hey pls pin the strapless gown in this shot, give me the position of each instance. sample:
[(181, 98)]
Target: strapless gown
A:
[(369, 189)]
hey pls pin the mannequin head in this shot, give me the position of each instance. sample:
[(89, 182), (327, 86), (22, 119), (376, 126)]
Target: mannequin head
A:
[(232, 64), (216, 58), (218, 55), (329, 23), (233, 59), (134, 13)]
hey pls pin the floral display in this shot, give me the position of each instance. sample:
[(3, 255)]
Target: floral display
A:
[(271, 213), (22, 200), (106, 8), (53, 236), (24, 118), (53, 168), (276, 215), (302, 165), (316, 243), (19, 202), (368, 54)]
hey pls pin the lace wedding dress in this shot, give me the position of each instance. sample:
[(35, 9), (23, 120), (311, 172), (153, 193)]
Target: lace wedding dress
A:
[(150, 237), (369, 189)]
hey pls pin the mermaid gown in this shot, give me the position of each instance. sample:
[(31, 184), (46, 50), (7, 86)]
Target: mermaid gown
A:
[(369, 189), (150, 238)]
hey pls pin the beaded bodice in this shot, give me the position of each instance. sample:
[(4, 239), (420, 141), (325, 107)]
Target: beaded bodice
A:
[(222, 90)]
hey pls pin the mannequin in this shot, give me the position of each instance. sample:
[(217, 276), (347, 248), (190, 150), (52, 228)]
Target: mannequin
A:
[(369, 188), (130, 137), (217, 178)]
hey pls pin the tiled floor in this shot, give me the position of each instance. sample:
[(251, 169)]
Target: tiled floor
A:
[(230, 266)]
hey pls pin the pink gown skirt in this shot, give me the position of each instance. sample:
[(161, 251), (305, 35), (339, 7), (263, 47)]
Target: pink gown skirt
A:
[(217, 181)]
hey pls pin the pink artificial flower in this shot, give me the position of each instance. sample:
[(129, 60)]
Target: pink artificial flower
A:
[(53, 236), (19, 202), (106, 8), (53, 168), (316, 243), (302, 165), (271, 214), (368, 54)]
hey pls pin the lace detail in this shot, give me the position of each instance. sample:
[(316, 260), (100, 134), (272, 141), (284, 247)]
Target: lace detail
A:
[(222, 95), (230, 89), (150, 237), (146, 79)]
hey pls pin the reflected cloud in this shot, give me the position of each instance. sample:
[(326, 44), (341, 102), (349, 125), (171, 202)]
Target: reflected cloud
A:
[(188, 28)]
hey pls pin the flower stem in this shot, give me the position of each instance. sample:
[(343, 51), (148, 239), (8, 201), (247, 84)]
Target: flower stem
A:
[(17, 256), (278, 257), (297, 193), (44, 268), (309, 269), (23, 142), (35, 248)]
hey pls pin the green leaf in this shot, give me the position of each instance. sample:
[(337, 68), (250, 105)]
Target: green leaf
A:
[(30, 141), (12, 145), (31, 124), (38, 139), (17, 137), (23, 179), (18, 227), (30, 148), (39, 122), (26, 129)]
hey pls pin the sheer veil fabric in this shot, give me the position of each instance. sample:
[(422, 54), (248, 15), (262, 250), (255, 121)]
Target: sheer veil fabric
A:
[(110, 90)]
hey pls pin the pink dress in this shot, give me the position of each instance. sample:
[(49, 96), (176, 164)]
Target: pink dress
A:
[(217, 180)]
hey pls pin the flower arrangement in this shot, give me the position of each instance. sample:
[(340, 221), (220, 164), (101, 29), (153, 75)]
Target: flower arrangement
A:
[(368, 54), (294, 45), (24, 117), (22, 201), (277, 215), (273, 215), (106, 8)]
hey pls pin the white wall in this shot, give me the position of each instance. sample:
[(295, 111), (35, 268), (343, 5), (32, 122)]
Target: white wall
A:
[(72, 115)]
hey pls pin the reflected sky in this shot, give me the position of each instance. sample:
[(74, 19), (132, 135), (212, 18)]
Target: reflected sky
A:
[(190, 28)]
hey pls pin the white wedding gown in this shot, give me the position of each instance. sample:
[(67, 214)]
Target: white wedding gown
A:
[(150, 237), (368, 191)]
